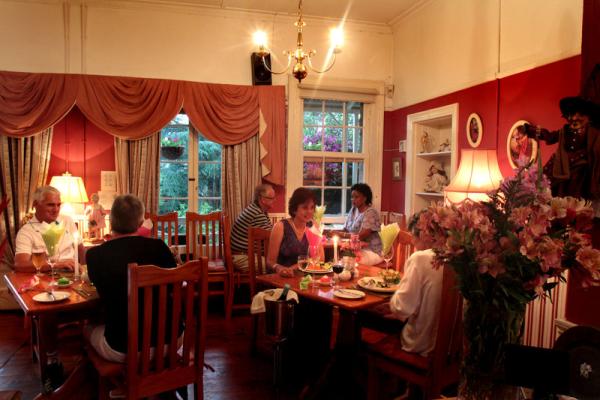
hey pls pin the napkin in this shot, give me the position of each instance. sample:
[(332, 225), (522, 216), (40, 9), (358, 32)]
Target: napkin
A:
[(52, 236), (258, 302), (318, 215), (32, 283), (388, 234)]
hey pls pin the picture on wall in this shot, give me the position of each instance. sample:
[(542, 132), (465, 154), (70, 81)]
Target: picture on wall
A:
[(519, 145), (474, 130), (397, 169)]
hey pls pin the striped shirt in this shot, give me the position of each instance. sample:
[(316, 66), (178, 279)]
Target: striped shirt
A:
[(252, 217)]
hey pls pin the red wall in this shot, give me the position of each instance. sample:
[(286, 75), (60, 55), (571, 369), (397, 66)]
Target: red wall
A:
[(532, 95), (82, 148)]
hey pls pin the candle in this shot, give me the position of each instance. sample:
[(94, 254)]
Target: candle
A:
[(335, 253), (76, 246)]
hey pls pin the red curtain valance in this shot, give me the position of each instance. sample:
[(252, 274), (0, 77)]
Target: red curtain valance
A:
[(134, 108)]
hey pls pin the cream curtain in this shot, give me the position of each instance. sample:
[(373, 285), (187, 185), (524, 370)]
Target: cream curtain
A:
[(24, 167), (137, 167), (241, 172)]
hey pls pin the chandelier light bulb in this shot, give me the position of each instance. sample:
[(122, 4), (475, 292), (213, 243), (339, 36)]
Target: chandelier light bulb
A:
[(260, 39), (336, 35)]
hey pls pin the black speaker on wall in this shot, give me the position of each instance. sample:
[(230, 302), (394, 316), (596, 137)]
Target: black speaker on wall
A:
[(260, 74)]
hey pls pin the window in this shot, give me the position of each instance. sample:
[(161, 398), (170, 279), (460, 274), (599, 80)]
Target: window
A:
[(332, 149), (189, 163)]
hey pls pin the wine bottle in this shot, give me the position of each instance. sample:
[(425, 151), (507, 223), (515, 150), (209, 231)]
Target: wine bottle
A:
[(286, 289)]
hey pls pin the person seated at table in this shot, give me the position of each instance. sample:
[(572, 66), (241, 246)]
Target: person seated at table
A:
[(256, 215), (107, 269), (364, 221), (288, 237), (46, 201)]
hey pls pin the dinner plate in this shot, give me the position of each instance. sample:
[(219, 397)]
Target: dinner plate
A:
[(316, 271), (46, 297), (349, 294), (365, 283)]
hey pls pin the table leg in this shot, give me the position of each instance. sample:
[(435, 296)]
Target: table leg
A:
[(46, 338)]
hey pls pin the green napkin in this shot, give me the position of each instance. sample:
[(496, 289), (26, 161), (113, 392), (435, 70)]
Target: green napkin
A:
[(52, 237), (305, 282), (388, 234), (319, 212)]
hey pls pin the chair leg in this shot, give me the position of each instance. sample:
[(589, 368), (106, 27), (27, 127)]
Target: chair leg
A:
[(372, 380), (228, 297)]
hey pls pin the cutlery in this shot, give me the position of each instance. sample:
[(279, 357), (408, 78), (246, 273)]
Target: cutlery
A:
[(82, 292), (351, 294), (50, 294)]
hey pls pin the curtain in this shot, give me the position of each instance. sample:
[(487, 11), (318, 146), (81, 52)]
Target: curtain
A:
[(137, 167), (241, 174), (134, 108), (24, 165)]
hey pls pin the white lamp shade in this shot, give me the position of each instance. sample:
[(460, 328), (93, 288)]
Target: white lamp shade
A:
[(478, 174), (71, 188)]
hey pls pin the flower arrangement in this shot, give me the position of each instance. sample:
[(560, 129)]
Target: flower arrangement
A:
[(169, 141), (505, 252)]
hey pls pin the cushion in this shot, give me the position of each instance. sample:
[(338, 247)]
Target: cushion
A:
[(391, 348), (216, 266)]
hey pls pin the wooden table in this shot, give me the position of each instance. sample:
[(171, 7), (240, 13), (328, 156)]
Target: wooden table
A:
[(45, 316)]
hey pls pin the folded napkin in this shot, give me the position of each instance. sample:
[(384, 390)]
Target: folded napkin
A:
[(258, 302), (32, 283), (388, 234), (318, 215)]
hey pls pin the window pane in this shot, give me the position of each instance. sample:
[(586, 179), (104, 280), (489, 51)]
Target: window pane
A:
[(312, 138), (173, 179), (333, 201), (333, 172), (180, 119), (348, 200), (206, 206), (313, 112), (312, 172), (170, 205), (174, 143), (355, 114), (333, 139), (209, 180), (317, 192), (354, 140), (334, 113), (207, 150), (355, 173)]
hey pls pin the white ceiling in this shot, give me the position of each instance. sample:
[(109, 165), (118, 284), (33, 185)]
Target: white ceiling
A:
[(374, 11)]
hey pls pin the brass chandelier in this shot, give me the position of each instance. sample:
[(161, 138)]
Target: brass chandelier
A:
[(298, 56)]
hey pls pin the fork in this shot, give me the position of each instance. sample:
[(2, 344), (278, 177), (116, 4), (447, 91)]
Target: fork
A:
[(50, 294)]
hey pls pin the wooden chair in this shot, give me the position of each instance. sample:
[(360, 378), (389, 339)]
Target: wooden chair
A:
[(437, 370), (166, 228), (208, 235), (404, 248), (397, 217), (169, 296)]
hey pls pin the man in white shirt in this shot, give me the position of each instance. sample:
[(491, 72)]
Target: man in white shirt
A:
[(46, 201)]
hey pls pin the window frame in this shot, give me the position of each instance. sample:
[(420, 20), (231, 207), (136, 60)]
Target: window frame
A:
[(370, 93)]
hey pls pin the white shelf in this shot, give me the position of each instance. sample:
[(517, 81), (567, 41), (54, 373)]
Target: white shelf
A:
[(435, 154), (430, 194)]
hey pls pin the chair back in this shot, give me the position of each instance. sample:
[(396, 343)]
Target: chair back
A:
[(208, 235), (161, 301), (398, 218), (404, 248), (258, 244), (166, 227), (446, 357)]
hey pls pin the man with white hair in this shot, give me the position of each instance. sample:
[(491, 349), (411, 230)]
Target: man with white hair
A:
[(46, 201)]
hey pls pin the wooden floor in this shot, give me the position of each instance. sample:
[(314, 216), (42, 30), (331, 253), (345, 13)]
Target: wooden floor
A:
[(237, 374)]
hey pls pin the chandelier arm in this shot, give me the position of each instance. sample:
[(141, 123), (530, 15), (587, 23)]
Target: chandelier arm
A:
[(275, 72), (324, 70)]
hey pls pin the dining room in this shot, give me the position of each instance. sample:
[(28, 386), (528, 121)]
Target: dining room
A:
[(325, 149)]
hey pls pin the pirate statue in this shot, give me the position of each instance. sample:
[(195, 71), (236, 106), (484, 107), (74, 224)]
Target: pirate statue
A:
[(574, 169)]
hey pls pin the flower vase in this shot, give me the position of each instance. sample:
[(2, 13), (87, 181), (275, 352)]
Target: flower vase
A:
[(487, 330)]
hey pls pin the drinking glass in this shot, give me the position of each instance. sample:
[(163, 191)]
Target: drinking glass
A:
[(337, 270), (52, 259), (38, 259), (302, 262), (387, 256)]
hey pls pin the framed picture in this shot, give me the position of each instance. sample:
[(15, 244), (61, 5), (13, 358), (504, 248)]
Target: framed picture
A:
[(519, 145), (474, 130), (397, 168)]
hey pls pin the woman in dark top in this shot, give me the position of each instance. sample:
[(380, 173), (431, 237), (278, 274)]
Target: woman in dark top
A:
[(288, 238)]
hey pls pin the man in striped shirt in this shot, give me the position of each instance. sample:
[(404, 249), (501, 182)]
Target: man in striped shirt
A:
[(254, 216)]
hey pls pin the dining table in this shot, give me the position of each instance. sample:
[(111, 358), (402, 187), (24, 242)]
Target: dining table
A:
[(46, 311)]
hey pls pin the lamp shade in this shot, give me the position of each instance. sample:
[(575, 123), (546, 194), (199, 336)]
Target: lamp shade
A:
[(71, 188), (478, 174)]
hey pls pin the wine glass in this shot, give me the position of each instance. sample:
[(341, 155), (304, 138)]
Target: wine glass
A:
[(337, 270), (38, 259), (387, 256)]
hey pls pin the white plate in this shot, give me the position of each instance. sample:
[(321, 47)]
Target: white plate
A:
[(318, 271), (349, 294), (45, 297), (364, 283)]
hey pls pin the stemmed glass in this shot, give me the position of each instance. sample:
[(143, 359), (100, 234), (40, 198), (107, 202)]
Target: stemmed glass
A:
[(387, 256), (337, 270), (52, 238), (38, 259)]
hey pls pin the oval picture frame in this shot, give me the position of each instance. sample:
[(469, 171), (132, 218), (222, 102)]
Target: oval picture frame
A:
[(474, 130), (516, 146)]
